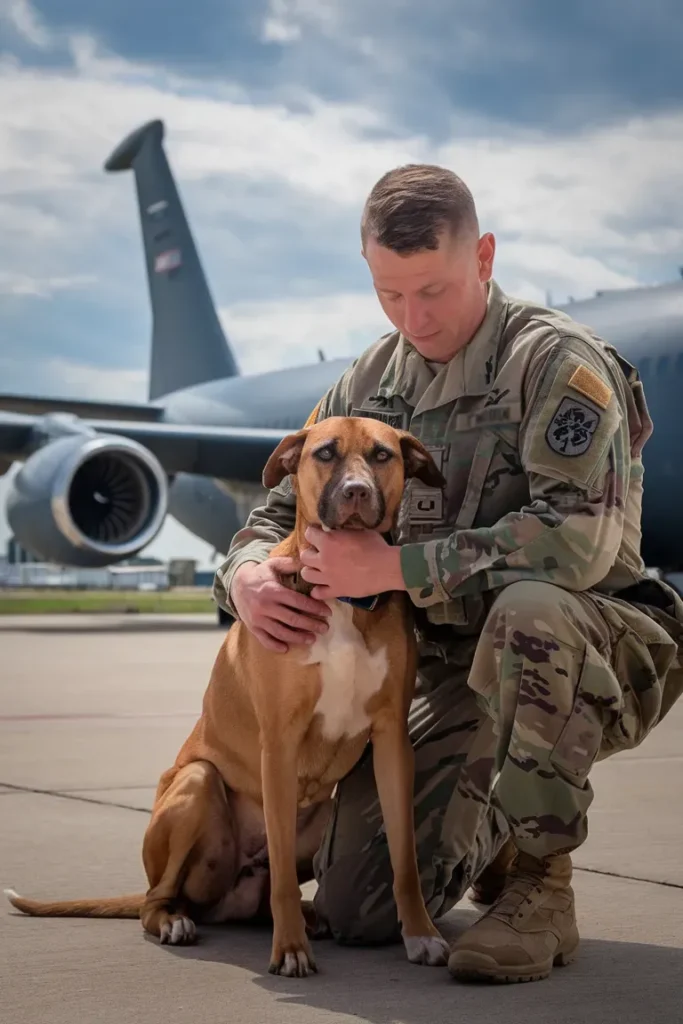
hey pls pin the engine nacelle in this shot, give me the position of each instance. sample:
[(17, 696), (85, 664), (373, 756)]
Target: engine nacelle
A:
[(88, 500)]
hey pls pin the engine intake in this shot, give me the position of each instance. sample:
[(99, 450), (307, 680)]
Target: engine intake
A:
[(88, 501)]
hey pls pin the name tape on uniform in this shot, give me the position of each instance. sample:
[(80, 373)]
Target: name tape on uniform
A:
[(397, 420), (491, 416)]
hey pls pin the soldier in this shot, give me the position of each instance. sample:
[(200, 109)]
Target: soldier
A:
[(544, 646)]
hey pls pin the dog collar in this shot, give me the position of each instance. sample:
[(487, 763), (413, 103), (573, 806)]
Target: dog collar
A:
[(368, 604)]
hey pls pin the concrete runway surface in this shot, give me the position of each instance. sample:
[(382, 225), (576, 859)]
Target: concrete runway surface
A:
[(94, 708)]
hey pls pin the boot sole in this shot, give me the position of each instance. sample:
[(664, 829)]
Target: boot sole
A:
[(471, 966)]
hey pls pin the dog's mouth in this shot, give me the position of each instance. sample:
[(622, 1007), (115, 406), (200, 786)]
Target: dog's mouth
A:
[(354, 518), (356, 522)]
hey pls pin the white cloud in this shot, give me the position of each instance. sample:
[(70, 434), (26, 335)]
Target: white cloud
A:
[(286, 19), (279, 30), (279, 25), (573, 191), (523, 261), (26, 21), (70, 379), (270, 335), (42, 288), (573, 196), (82, 380)]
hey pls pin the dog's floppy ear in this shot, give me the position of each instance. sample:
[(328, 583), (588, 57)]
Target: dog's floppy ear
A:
[(284, 460), (418, 462)]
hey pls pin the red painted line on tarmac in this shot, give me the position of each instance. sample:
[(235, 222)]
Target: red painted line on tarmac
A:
[(80, 716)]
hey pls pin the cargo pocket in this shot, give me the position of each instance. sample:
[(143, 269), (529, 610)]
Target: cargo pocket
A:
[(644, 660), (597, 707), (658, 605)]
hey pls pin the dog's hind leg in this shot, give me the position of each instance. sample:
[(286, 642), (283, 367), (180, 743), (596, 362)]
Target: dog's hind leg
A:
[(189, 851)]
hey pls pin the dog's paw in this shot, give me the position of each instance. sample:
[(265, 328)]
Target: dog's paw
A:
[(427, 949), (292, 963), (177, 931)]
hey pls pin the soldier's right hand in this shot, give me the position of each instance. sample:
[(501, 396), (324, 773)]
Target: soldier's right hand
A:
[(276, 615)]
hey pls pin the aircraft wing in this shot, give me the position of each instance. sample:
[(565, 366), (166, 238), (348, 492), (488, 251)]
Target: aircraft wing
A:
[(229, 452), (34, 405), (225, 452)]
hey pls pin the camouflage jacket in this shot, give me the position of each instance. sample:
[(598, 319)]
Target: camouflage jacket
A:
[(538, 427)]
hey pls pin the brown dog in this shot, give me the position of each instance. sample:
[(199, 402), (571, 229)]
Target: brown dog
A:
[(248, 798)]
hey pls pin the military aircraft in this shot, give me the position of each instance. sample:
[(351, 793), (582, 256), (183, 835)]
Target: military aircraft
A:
[(99, 478)]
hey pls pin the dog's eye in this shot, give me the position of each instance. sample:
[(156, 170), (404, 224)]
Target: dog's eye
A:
[(325, 454), (382, 455)]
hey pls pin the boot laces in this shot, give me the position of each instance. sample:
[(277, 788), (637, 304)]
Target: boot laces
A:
[(519, 890)]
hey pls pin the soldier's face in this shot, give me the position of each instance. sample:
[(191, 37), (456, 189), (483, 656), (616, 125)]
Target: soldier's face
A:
[(436, 298)]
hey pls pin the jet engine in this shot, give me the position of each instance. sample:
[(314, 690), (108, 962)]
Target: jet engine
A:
[(88, 500)]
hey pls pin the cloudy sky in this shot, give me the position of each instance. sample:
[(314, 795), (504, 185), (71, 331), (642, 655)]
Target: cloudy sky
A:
[(566, 121)]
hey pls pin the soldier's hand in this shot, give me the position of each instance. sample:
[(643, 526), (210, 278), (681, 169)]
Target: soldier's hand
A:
[(350, 563), (276, 615)]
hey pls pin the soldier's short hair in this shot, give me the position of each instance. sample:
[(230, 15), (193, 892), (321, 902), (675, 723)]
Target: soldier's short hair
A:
[(410, 207)]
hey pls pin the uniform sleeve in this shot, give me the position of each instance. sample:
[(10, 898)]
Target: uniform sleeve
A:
[(271, 523), (575, 449)]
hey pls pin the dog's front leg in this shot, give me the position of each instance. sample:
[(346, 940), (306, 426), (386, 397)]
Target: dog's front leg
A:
[(291, 953), (394, 767)]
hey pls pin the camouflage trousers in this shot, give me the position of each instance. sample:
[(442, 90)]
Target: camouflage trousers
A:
[(505, 730)]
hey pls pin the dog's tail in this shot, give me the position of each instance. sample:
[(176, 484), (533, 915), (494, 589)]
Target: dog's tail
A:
[(117, 906)]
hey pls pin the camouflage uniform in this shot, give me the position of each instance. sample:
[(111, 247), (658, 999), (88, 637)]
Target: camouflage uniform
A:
[(544, 646)]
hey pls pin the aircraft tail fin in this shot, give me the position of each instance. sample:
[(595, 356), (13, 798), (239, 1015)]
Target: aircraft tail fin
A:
[(188, 343)]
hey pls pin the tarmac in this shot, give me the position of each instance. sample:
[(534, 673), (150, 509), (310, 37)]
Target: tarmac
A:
[(93, 708)]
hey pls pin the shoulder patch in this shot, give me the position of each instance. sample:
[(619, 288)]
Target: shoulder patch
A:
[(587, 383), (566, 435), (571, 429)]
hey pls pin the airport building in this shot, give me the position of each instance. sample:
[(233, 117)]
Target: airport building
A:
[(21, 569)]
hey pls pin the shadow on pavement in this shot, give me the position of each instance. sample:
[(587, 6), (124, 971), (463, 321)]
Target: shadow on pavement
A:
[(610, 982)]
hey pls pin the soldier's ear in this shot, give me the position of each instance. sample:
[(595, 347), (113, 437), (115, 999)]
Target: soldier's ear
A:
[(284, 460), (418, 462)]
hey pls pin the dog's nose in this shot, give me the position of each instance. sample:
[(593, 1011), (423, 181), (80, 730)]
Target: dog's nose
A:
[(355, 490)]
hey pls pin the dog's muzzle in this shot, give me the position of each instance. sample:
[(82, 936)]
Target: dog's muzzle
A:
[(352, 503)]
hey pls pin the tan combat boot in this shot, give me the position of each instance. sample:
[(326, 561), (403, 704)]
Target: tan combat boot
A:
[(488, 886), (530, 928)]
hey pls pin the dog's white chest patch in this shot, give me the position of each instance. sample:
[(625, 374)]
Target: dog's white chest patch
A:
[(349, 674)]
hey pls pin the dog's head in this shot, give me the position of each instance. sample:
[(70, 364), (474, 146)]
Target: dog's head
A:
[(349, 471)]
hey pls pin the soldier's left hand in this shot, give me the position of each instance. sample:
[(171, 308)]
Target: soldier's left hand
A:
[(350, 563)]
